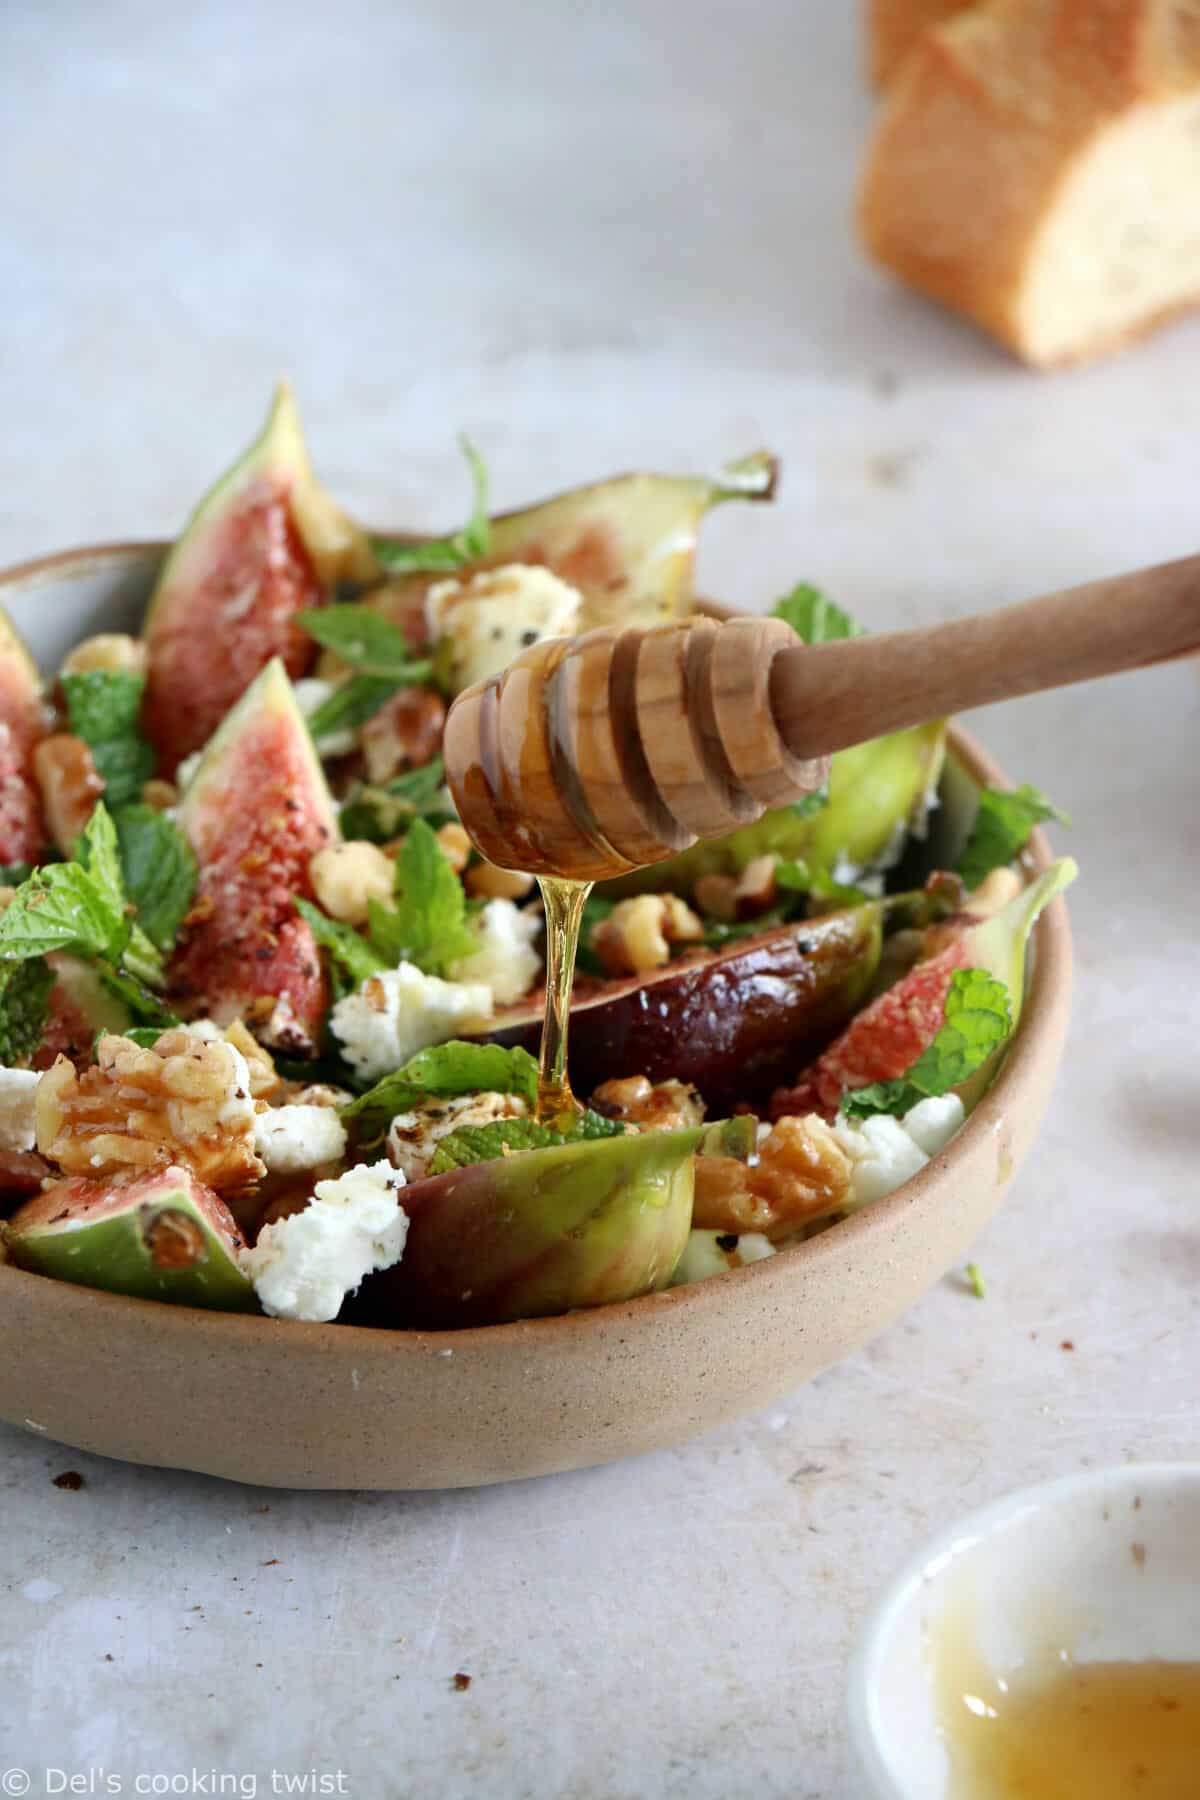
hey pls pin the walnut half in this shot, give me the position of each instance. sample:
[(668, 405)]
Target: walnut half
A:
[(802, 1174), (187, 1100)]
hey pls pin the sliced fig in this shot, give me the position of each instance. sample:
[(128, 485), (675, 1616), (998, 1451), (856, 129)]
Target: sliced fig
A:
[(627, 544), (545, 1231), (877, 791), (162, 1235), (263, 545), (254, 813), (890, 1035), (728, 1022), (23, 721)]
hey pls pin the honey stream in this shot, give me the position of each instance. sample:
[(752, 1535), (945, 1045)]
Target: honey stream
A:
[(564, 902)]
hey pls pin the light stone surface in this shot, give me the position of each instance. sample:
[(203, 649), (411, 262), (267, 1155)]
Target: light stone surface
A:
[(596, 237)]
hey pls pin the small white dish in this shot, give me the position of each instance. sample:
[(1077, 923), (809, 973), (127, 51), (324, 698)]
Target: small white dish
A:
[(1103, 1566)]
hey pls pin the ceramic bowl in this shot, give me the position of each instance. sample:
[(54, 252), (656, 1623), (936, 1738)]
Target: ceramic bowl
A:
[(332, 1406), (1102, 1567)]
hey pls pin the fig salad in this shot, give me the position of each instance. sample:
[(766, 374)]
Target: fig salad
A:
[(268, 1021)]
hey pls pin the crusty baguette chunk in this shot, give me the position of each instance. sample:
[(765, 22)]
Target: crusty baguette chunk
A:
[(893, 27), (1037, 167)]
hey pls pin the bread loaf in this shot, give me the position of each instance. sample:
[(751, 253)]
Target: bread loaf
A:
[(893, 27), (1037, 166)]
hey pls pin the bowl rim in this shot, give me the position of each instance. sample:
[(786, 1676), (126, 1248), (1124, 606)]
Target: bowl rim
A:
[(938, 1553), (1048, 988)]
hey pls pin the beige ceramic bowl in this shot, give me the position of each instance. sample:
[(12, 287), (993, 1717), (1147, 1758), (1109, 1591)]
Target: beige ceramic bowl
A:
[(330, 1406)]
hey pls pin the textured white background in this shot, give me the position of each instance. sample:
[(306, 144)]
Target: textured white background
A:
[(597, 236)]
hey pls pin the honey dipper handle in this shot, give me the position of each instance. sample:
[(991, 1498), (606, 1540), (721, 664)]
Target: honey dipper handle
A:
[(832, 695)]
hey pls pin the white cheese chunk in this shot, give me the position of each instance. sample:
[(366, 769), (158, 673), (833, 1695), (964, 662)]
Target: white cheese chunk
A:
[(17, 1090), (303, 1267), (486, 620), (414, 1136), (505, 960), (932, 1123), (704, 1255), (395, 1014), (296, 1137)]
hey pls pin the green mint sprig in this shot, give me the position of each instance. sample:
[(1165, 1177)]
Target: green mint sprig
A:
[(977, 1020)]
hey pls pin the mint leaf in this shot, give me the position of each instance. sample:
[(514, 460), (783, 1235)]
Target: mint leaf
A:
[(381, 813), (358, 699), (443, 556), (483, 1143), (428, 925), (347, 948), (814, 617), (13, 874), (102, 709), (24, 1008), (103, 704), (362, 637), (977, 1020), (99, 853), (1002, 828), (159, 870), (439, 1073), (61, 907)]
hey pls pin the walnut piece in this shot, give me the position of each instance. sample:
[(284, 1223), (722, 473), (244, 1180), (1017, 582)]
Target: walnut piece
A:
[(405, 733), (667, 1106), (70, 783), (187, 1100), (637, 935), (802, 1173)]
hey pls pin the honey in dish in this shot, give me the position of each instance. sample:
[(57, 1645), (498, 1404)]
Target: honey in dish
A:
[(1064, 1730)]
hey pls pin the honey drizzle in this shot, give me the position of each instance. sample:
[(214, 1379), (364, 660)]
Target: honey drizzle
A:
[(564, 903)]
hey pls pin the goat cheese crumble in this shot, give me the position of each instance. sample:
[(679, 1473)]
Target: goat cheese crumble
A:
[(17, 1090), (292, 1138), (884, 1152), (716, 1252), (303, 1267), (481, 623), (505, 960), (393, 1015), (414, 1136)]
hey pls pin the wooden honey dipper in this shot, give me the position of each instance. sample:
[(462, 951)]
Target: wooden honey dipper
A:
[(590, 756)]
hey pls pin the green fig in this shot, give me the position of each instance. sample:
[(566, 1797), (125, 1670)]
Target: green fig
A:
[(877, 792), (262, 546), (161, 1235), (627, 544), (545, 1231), (255, 812)]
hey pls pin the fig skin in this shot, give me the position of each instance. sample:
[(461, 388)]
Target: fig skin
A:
[(265, 543), (732, 1023), (545, 1231), (163, 1235), (627, 544)]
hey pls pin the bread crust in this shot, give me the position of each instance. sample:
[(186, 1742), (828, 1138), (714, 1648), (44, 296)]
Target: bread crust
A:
[(985, 125), (893, 27)]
